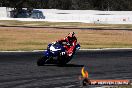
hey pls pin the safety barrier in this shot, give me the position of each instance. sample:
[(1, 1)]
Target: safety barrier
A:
[(86, 16)]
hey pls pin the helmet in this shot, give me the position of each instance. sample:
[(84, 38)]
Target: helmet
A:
[(71, 34)]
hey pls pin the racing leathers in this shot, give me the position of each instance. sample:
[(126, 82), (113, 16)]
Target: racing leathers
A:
[(69, 44)]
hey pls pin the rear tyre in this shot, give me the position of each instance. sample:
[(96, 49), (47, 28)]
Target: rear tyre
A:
[(41, 61)]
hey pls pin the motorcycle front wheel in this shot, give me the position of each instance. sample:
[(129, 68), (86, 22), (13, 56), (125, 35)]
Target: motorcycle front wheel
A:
[(41, 61), (63, 60)]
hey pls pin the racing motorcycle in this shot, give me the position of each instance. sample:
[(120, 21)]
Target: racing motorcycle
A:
[(56, 54)]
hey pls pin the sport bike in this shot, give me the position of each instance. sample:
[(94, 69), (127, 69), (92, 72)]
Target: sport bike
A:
[(56, 54)]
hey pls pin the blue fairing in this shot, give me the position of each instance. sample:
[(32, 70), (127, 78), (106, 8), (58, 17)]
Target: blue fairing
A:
[(57, 48), (47, 53), (49, 46)]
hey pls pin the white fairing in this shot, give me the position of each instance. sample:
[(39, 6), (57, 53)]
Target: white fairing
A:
[(53, 49)]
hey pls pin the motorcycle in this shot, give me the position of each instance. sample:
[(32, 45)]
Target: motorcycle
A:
[(56, 54)]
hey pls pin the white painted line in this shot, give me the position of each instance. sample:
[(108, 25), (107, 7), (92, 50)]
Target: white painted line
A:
[(69, 86), (106, 49), (101, 49)]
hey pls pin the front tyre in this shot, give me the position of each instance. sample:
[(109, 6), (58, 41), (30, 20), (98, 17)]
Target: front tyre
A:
[(62, 60), (41, 61)]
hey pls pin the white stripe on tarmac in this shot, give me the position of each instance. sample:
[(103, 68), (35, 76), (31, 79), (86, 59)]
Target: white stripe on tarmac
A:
[(69, 86), (101, 49), (106, 49)]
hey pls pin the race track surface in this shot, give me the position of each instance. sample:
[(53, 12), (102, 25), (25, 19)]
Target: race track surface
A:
[(19, 70)]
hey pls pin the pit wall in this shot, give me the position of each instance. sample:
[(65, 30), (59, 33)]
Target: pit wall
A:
[(86, 16)]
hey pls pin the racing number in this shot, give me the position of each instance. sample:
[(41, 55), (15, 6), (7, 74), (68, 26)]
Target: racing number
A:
[(63, 53)]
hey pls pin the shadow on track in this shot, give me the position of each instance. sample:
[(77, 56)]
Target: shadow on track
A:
[(67, 65), (71, 65)]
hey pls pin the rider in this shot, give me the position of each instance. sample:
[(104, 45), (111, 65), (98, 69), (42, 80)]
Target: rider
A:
[(71, 40)]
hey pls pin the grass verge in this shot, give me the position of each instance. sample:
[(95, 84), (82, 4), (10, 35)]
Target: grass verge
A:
[(19, 38), (63, 24)]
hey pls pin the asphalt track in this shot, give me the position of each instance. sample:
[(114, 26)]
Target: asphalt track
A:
[(19, 69)]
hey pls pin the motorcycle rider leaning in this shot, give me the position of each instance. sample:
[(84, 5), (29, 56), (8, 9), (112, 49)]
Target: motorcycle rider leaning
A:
[(70, 43)]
